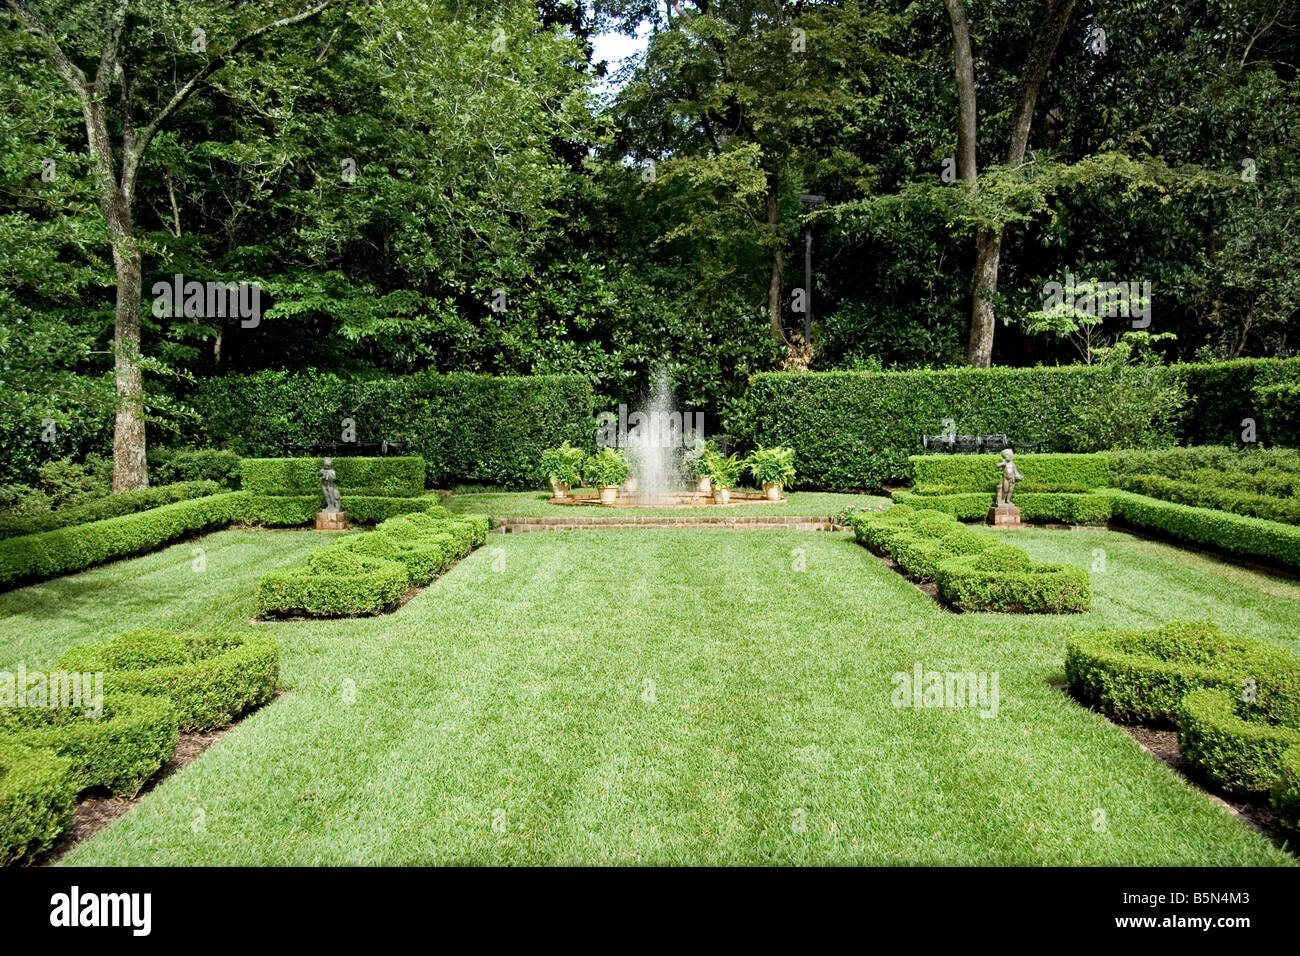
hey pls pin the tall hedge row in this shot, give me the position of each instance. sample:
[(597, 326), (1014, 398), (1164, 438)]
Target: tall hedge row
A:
[(857, 429), (468, 428)]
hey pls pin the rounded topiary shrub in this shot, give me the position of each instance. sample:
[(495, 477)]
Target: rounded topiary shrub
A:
[(210, 679), (875, 530), (334, 582), (920, 555), (36, 798), (1004, 579), (1233, 743), (1143, 675), (424, 557), (1286, 791), (119, 748), (469, 531)]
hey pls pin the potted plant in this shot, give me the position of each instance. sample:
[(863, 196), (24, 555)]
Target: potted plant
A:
[(772, 468), (697, 463), (605, 470), (723, 473), (632, 482), (563, 466)]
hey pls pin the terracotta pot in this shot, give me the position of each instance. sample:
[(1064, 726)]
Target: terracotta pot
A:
[(705, 486), (772, 491), (559, 489), (608, 494), (721, 496)]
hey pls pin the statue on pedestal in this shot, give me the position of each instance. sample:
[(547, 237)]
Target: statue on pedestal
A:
[(332, 513), (1010, 475)]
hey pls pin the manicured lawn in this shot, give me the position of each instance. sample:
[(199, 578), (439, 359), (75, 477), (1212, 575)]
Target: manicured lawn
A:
[(660, 696), (533, 504)]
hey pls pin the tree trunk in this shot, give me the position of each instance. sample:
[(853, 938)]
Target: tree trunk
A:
[(778, 269), (129, 469), (983, 320)]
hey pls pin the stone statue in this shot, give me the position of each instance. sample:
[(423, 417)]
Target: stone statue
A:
[(1010, 475), (328, 488)]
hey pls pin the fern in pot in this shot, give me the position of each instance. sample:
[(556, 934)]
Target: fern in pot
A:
[(772, 468), (605, 470), (723, 474), (697, 463), (563, 467)]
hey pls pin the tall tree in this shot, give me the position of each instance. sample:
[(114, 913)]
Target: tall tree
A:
[(96, 49)]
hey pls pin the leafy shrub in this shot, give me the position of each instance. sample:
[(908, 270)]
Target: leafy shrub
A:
[(1236, 534), (772, 465), (69, 483), (468, 531), (111, 506), (605, 468), (564, 464), (1234, 746), (36, 557), (36, 798), (875, 529), (168, 465), (1143, 675), (1050, 508), (334, 582), (723, 471), (469, 428), (1221, 394), (119, 749), (1286, 790), (373, 510), (369, 477), (424, 557), (1205, 495), (858, 429), (1004, 579), (920, 554), (210, 679), (1200, 461), (1043, 473)]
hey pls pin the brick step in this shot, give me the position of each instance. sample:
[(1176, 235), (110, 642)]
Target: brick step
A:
[(734, 522)]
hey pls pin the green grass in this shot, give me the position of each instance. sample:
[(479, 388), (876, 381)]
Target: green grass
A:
[(515, 691), (534, 504)]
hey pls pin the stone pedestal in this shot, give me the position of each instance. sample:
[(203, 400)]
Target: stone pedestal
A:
[(1004, 516), (331, 521)]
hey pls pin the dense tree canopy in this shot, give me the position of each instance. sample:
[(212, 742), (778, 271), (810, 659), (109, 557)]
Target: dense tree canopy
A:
[(418, 184)]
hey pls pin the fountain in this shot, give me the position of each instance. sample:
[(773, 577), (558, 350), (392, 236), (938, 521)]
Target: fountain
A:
[(656, 446)]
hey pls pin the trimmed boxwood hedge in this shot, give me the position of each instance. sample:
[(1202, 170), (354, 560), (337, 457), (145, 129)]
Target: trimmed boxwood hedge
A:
[(1046, 473), (1286, 791), (1201, 495), (335, 582), (1143, 675), (119, 749), (110, 506), (1233, 745), (36, 557), (424, 557), (369, 477), (1004, 579), (36, 799), (1236, 534), (210, 679), (1279, 413), (1047, 508), (287, 511)]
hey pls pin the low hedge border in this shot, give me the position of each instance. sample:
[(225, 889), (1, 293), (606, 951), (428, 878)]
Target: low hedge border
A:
[(1143, 675), (110, 506), (1046, 472), (210, 679), (973, 571), (335, 582), (1286, 791), (369, 477), (36, 800), (1237, 755), (287, 511), (1201, 495), (424, 557), (118, 749), (1035, 508), (1236, 534)]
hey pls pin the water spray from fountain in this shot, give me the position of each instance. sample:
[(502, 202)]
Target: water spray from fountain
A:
[(656, 449)]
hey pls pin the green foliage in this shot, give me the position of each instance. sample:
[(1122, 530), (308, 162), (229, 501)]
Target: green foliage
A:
[(1286, 791), (1143, 675), (36, 799), (1043, 473), (1236, 534), (858, 430), (1035, 508), (564, 464), (607, 467), (1279, 413), (335, 582), (468, 428), (168, 465), (424, 557), (1235, 747), (1286, 510), (377, 477), (36, 557), (210, 679), (771, 465), (118, 749), (111, 506), (1222, 395), (724, 472)]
